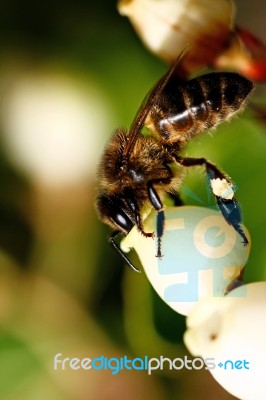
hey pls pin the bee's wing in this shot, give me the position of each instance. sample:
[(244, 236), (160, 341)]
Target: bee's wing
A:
[(149, 101)]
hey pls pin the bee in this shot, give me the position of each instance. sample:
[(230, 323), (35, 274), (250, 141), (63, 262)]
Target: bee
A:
[(137, 169)]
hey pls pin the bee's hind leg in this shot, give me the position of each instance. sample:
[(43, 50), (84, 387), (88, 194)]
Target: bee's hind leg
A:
[(223, 190)]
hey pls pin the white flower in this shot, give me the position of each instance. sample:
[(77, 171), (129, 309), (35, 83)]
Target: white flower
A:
[(233, 331), (202, 255)]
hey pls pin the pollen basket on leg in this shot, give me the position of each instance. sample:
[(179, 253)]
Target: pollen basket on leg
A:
[(222, 188)]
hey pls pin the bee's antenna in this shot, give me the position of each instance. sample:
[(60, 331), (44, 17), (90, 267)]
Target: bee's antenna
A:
[(120, 252)]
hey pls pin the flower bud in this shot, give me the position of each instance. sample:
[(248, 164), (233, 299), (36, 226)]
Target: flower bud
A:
[(204, 28), (246, 54), (169, 26), (202, 255), (232, 331)]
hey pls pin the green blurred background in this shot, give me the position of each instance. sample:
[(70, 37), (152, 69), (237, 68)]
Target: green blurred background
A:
[(70, 72)]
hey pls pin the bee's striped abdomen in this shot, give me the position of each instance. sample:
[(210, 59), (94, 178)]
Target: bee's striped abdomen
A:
[(185, 109)]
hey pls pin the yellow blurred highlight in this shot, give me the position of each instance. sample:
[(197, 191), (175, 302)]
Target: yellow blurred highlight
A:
[(54, 124)]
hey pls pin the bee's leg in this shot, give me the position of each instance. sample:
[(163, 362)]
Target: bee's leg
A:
[(133, 206), (176, 198), (157, 204), (223, 191), (120, 252), (172, 193)]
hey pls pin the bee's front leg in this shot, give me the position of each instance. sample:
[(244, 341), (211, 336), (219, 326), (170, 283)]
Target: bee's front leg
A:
[(157, 204), (134, 208)]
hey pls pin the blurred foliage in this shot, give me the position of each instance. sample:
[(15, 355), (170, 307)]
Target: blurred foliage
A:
[(62, 289)]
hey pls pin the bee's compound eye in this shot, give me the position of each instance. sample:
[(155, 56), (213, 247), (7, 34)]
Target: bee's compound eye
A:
[(111, 208), (121, 219)]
